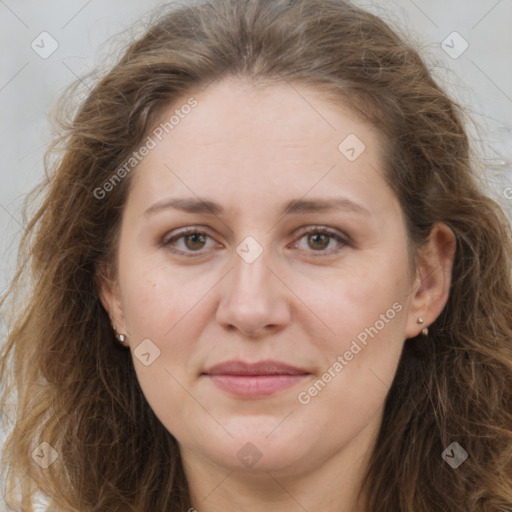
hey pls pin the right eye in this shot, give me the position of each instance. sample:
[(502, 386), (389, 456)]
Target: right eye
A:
[(188, 242)]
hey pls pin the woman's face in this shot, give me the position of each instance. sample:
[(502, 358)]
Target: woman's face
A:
[(299, 257)]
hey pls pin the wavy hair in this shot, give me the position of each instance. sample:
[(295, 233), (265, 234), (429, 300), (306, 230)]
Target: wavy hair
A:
[(66, 382)]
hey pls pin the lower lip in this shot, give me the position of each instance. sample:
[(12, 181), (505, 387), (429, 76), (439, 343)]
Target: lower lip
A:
[(255, 385)]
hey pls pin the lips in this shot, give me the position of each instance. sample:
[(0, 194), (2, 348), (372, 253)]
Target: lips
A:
[(267, 367), (254, 380)]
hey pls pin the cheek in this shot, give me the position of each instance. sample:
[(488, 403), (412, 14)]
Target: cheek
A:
[(170, 307), (157, 298), (165, 306), (351, 299), (363, 316)]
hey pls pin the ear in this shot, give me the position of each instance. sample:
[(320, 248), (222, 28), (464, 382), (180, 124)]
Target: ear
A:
[(431, 287), (110, 297)]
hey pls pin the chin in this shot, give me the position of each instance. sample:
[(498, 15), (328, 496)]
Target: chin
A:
[(253, 451)]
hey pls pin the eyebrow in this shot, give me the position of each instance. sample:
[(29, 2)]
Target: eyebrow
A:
[(205, 206)]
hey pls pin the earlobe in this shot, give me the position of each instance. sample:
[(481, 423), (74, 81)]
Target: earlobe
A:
[(433, 280)]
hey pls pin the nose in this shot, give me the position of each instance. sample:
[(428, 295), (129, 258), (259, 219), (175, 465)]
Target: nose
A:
[(254, 300)]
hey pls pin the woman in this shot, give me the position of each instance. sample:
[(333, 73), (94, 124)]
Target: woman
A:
[(264, 277)]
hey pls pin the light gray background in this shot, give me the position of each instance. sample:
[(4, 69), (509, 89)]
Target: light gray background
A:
[(480, 78)]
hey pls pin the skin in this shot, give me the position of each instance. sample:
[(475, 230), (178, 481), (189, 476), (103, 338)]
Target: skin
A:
[(252, 149)]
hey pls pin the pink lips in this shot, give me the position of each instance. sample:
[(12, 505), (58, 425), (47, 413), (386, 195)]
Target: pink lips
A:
[(263, 378)]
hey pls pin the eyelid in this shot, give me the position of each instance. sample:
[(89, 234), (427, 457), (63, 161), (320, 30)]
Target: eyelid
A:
[(179, 232), (314, 228)]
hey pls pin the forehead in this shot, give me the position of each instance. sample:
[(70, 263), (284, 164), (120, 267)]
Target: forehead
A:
[(242, 140), (281, 114)]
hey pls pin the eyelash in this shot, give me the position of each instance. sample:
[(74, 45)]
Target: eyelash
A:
[(166, 243)]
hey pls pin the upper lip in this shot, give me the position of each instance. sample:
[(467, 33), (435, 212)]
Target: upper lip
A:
[(267, 367)]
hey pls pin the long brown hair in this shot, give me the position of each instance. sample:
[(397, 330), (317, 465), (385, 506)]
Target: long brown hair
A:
[(77, 390)]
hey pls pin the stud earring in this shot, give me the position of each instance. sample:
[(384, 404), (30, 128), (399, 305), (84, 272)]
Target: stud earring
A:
[(425, 330), (121, 338)]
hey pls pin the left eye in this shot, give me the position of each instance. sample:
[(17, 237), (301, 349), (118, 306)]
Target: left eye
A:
[(318, 240)]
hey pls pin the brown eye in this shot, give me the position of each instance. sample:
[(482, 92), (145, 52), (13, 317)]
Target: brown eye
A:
[(318, 241), (195, 241), (189, 242)]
